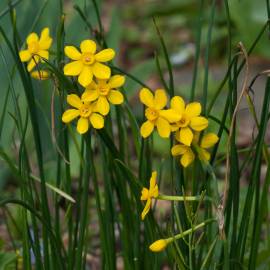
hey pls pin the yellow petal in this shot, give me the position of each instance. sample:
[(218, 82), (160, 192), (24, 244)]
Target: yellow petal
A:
[(193, 109), (33, 37), (72, 53), (146, 97), (171, 115), (179, 149), (158, 245), (69, 115), (45, 41), (186, 136), (44, 54), (25, 55), (86, 76), (160, 99), (146, 129), (163, 127), (103, 105), (153, 180), (97, 121), (208, 140), (178, 104), (90, 95), (40, 74), (88, 46), (144, 194), (105, 55), (116, 81), (74, 101), (101, 71), (83, 125), (204, 155), (187, 158), (146, 209), (73, 68), (198, 123), (33, 62), (115, 97)]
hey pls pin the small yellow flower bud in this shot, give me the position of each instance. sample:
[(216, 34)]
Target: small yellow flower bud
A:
[(40, 75), (158, 245)]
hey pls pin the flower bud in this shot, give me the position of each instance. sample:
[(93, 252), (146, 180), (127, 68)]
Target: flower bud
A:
[(158, 245)]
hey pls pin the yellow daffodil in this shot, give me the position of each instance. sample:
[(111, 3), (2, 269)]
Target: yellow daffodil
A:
[(37, 48), (158, 245), (155, 113), (87, 62), (40, 75), (86, 112), (105, 92), (190, 119), (187, 154), (148, 194)]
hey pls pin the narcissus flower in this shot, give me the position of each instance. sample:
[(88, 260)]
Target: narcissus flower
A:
[(148, 194), (37, 48), (190, 119), (159, 245), (105, 92), (86, 112), (187, 154), (155, 113), (87, 62), (40, 75)]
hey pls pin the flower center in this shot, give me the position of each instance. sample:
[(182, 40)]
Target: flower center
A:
[(151, 114), (33, 47), (104, 90), (85, 110), (88, 58), (183, 122)]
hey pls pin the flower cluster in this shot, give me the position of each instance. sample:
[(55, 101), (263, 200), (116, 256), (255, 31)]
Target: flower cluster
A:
[(184, 120), (100, 88)]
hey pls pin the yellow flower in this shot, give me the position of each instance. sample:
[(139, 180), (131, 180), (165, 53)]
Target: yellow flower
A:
[(40, 74), (158, 245), (155, 113), (148, 194), (85, 111), (105, 91), (190, 119), (87, 62), (37, 48), (186, 153)]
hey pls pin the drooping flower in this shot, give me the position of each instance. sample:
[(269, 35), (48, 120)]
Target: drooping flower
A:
[(37, 48), (190, 119), (105, 92), (87, 62), (86, 112), (40, 75), (187, 155), (158, 245), (148, 194), (156, 114)]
